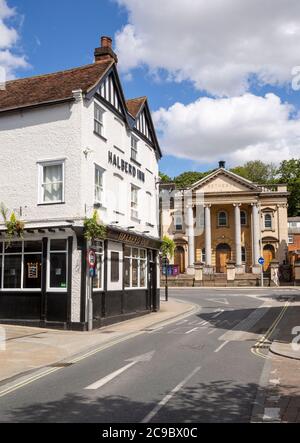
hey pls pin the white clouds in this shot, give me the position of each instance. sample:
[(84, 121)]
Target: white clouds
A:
[(217, 44), (9, 60), (237, 129)]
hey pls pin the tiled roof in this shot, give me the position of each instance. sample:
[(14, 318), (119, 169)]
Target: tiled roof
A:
[(134, 105), (51, 87)]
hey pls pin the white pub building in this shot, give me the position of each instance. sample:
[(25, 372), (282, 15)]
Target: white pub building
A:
[(71, 144)]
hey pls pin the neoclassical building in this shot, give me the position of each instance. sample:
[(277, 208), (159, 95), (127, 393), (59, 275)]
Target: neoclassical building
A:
[(225, 218)]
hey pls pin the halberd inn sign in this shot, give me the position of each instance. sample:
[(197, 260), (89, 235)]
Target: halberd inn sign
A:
[(126, 167)]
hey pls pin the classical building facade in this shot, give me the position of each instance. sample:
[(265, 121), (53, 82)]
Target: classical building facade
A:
[(223, 219), (70, 144)]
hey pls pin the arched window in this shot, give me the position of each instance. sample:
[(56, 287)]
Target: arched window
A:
[(243, 218), (222, 219), (203, 256), (268, 221), (244, 258)]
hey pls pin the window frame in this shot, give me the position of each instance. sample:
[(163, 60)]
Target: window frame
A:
[(291, 239), (101, 255), (3, 254), (99, 123), (134, 205), (49, 252), (268, 228), (218, 219), (102, 172), (134, 148), (140, 260), (246, 217), (244, 254), (41, 184)]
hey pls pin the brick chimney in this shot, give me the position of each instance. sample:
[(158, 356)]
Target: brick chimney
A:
[(105, 52)]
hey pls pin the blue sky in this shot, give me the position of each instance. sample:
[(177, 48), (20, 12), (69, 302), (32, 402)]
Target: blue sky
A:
[(60, 34)]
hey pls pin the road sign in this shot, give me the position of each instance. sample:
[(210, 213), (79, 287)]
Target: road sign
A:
[(261, 261), (92, 258)]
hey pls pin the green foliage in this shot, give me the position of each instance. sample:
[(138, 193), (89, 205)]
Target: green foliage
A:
[(14, 227), (289, 173), (189, 178), (165, 178), (167, 247), (257, 172), (94, 229)]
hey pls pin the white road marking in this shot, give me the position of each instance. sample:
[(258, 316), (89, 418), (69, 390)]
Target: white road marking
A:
[(222, 346), (272, 414), (241, 330), (168, 397), (133, 361), (218, 314), (212, 331), (110, 377), (192, 330), (203, 323)]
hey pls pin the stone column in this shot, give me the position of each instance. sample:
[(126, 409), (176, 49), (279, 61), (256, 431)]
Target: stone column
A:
[(208, 236), (191, 240), (256, 268), (238, 238)]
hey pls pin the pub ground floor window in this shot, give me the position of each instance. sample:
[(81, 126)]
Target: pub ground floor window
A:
[(98, 247), (20, 265), (135, 267), (58, 255)]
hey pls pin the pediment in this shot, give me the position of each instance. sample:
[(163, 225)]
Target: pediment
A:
[(224, 181)]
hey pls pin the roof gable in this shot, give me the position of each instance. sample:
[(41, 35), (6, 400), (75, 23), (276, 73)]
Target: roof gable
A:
[(222, 180)]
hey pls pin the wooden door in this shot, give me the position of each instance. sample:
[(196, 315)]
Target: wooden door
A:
[(223, 256), (179, 259), (269, 254)]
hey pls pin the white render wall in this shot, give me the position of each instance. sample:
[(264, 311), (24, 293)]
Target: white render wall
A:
[(118, 197), (31, 136), (66, 131)]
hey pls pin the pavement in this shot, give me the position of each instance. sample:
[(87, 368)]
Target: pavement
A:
[(29, 349)]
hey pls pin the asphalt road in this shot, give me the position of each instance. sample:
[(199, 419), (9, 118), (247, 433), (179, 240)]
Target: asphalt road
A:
[(199, 369)]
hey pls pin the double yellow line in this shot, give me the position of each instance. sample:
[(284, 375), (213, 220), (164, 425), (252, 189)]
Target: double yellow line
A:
[(261, 344)]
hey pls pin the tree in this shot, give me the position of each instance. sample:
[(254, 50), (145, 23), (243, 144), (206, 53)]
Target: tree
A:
[(289, 173), (165, 178), (189, 178), (167, 247), (257, 172)]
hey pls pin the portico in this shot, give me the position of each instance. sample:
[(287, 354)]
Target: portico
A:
[(226, 218)]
